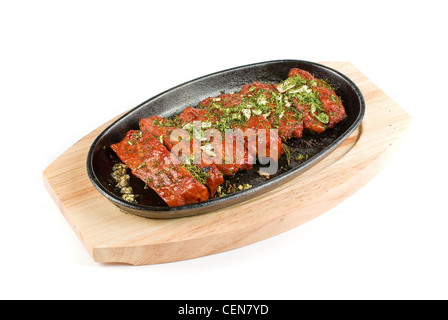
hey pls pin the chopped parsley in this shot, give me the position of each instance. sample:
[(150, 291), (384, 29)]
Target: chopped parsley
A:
[(287, 153), (200, 175)]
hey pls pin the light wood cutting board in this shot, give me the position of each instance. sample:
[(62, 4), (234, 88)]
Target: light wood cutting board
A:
[(113, 236)]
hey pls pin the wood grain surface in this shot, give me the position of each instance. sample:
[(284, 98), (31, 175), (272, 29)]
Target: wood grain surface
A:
[(113, 236)]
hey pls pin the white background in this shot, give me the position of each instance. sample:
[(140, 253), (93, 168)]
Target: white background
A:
[(67, 67)]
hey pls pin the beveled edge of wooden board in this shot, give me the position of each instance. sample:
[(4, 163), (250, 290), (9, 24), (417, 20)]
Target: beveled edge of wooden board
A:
[(111, 235)]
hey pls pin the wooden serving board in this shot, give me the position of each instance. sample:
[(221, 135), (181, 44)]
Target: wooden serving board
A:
[(113, 236)]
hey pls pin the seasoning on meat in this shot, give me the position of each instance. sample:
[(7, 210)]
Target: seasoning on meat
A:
[(150, 161), (328, 108), (204, 170)]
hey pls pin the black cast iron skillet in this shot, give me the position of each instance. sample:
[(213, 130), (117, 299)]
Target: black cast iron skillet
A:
[(305, 152)]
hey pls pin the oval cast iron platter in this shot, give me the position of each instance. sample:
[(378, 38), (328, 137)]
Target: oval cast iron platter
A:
[(101, 158)]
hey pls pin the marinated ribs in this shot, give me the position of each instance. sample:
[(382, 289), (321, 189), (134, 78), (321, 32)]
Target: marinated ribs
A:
[(150, 161), (284, 110)]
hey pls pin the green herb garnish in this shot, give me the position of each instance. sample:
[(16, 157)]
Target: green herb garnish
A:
[(287, 153), (323, 117), (200, 175)]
